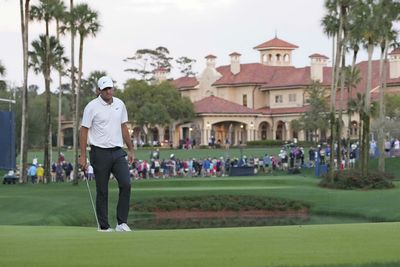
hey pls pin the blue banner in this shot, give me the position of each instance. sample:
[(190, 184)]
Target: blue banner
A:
[(7, 140)]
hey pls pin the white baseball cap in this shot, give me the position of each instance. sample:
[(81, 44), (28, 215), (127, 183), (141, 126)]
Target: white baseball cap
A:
[(105, 82)]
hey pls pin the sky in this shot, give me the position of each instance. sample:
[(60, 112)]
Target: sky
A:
[(191, 28)]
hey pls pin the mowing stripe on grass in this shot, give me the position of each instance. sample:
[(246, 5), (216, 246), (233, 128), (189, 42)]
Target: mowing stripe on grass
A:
[(210, 188), (316, 245)]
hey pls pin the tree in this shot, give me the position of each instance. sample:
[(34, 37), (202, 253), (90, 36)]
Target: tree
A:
[(389, 12), (89, 87), (47, 11), (333, 24), (148, 60), (367, 22), (185, 65), (316, 116), (2, 69), (24, 13), (352, 79), (59, 15), (2, 73), (151, 105), (45, 56), (392, 106), (69, 22), (85, 21)]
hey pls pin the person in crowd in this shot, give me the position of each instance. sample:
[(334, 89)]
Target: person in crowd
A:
[(67, 167), (32, 173), (59, 173), (40, 173), (53, 172), (90, 172), (388, 147)]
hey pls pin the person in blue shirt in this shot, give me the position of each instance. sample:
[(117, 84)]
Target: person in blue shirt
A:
[(32, 173)]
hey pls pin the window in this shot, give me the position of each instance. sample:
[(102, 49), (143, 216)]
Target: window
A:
[(244, 100), (278, 99), (292, 97)]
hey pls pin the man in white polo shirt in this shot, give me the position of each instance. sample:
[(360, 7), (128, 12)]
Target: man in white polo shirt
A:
[(104, 129)]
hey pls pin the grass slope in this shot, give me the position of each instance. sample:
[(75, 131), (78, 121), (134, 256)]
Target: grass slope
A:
[(65, 204), (317, 245)]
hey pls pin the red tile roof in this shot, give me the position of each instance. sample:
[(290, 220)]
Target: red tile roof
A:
[(276, 43), (318, 55), (268, 77), (395, 51), (214, 104), (235, 54), (253, 73), (185, 83), (296, 77), (210, 56), (276, 111)]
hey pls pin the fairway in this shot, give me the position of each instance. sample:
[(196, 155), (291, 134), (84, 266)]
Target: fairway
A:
[(317, 245), (41, 225)]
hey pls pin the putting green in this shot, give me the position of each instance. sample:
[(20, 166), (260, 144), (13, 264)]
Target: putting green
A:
[(312, 245)]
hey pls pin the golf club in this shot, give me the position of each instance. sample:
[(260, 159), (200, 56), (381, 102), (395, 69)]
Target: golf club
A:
[(91, 200)]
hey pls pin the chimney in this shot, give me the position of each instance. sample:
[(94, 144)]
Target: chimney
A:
[(160, 75), (235, 62), (394, 64), (210, 61), (318, 62)]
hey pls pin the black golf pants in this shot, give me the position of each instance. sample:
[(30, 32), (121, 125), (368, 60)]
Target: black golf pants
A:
[(106, 161)]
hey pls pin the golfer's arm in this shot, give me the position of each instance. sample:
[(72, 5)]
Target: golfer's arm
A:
[(83, 135), (127, 137)]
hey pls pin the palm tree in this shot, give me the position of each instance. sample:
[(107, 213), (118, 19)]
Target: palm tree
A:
[(23, 164), (389, 11), (85, 21), (42, 61), (59, 14), (333, 26), (356, 105), (2, 69), (352, 79), (368, 23), (47, 10)]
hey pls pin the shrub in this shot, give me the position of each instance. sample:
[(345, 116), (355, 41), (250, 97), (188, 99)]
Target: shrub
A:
[(353, 179), (263, 143), (216, 203)]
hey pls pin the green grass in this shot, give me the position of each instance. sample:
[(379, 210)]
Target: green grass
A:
[(65, 204), (33, 228), (333, 245)]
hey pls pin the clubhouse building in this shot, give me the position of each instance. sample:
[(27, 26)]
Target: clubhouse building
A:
[(257, 101)]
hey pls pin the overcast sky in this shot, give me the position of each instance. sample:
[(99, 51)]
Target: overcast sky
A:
[(192, 28)]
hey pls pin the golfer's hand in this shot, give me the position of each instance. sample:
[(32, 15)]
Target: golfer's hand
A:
[(83, 163), (130, 156)]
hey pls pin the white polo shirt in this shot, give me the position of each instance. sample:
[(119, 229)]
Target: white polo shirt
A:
[(104, 122)]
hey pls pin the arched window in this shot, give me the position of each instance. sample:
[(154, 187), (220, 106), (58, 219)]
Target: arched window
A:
[(354, 128), (278, 57), (264, 131), (286, 58), (264, 58)]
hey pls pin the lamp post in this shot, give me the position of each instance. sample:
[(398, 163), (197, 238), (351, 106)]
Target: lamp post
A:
[(252, 131), (190, 137), (208, 127), (241, 141), (59, 120)]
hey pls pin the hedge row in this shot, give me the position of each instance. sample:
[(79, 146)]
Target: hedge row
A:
[(217, 203), (353, 179)]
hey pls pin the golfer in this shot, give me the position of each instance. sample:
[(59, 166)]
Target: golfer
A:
[(104, 129)]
